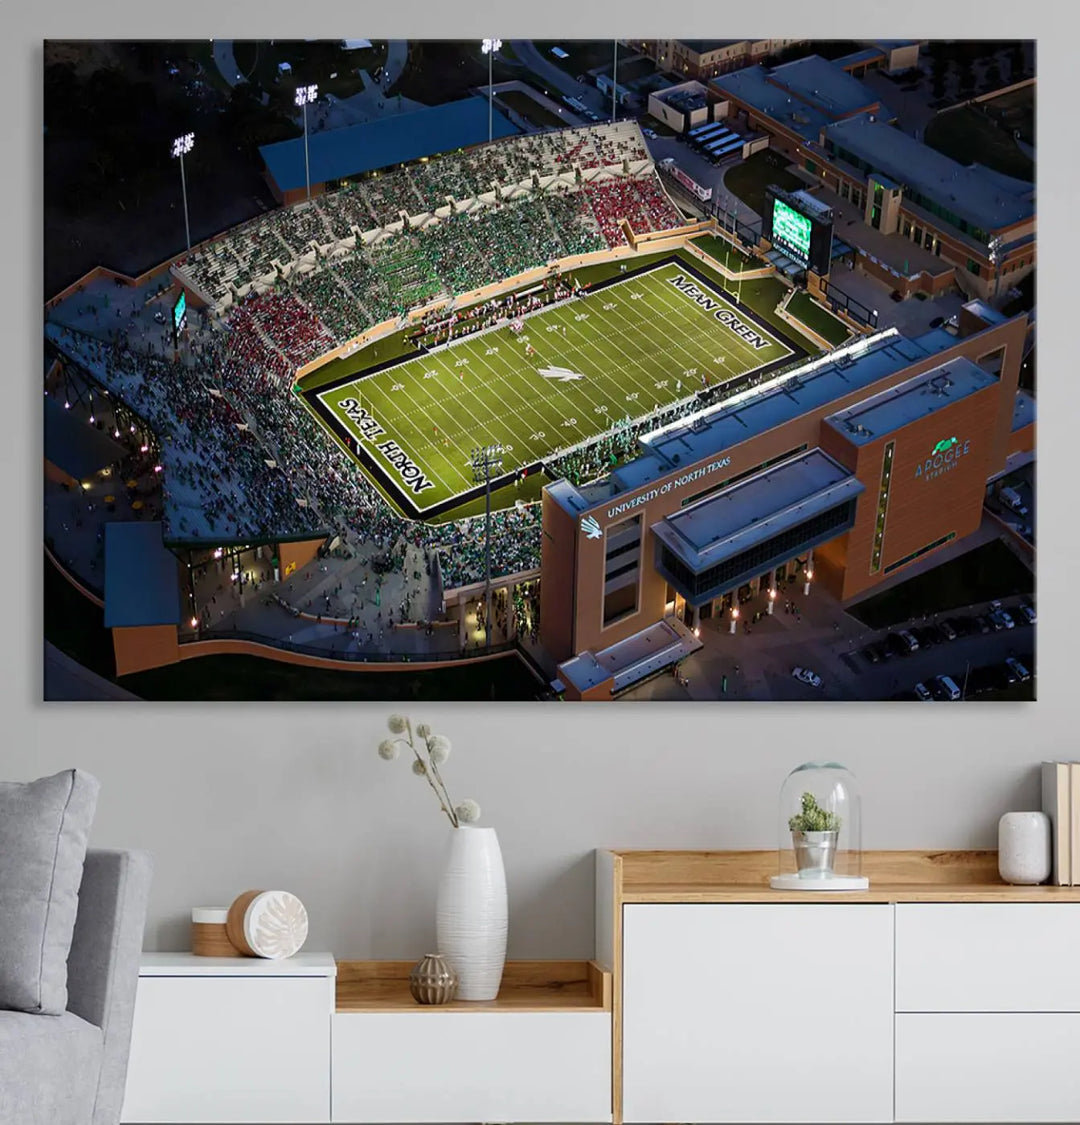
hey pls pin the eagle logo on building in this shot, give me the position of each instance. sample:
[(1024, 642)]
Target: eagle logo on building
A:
[(591, 528), (944, 445)]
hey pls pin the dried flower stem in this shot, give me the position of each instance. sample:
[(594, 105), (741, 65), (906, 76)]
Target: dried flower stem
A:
[(444, 798), (438, 777)]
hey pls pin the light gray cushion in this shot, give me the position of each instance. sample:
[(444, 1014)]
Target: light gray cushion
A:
[(44, 827), (49, 1069)]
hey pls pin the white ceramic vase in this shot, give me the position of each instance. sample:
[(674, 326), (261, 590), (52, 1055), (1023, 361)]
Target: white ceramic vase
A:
[(470, 912), (1024, 848)]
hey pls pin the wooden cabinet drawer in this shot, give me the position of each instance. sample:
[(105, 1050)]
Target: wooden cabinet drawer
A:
[(988, 957), (472, 1066), (998, 1067)]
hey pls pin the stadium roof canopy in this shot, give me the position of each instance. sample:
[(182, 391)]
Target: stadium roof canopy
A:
[(141, 581), (75, 447), (983, 199), (397, 139), (907, 402), (803, 96)]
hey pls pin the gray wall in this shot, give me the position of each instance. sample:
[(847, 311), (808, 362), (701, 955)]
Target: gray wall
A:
[(229, 798)]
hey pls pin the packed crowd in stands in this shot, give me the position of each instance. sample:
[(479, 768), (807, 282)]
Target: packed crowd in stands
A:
[(300, 226), (323, 292), (515, 545), (346, 211), (246, 254), (641, 202), (227, 409), (290, 326)]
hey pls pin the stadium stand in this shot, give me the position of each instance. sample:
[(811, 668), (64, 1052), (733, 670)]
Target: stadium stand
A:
[(243, 458)]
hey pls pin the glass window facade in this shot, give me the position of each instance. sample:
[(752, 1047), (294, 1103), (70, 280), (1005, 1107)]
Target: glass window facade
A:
[(622, 569)]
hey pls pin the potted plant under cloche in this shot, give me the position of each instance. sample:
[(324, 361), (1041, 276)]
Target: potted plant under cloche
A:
[(814, 833)]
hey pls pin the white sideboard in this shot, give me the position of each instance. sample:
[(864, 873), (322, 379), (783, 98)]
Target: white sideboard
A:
[(940, 995), (224, 1040), (988, 1012), (757, 1013), (540, 1052), (246, 1041)]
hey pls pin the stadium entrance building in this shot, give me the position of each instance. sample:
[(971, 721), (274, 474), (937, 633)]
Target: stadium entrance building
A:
[(845, 469)]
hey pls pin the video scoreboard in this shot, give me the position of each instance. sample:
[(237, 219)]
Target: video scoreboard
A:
[(800, 226)]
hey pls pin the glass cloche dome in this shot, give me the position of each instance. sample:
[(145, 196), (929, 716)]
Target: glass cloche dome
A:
[(820, 830)]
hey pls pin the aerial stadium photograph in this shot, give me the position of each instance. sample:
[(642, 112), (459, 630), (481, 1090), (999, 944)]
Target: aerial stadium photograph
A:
[(539, 370)]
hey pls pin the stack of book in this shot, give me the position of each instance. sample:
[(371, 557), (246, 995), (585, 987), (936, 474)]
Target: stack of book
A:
[(1061, 803)]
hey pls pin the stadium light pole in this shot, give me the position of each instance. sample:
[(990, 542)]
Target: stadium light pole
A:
[(483, 459), (305, 95), (489, 47), (181, 145)]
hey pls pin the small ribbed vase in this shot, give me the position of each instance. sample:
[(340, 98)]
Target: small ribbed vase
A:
[(432, 980), (470, 912)]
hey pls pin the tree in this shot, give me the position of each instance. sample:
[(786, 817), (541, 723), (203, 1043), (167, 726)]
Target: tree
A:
[(993, 75)]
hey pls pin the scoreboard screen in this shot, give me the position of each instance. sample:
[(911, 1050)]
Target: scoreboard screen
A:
[(800, 227), (791, 229), (179, 312)]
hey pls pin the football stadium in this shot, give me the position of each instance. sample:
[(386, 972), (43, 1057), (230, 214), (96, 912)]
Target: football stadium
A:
[(394, 423)]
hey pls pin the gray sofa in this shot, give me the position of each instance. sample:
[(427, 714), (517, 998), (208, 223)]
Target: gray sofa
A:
[(70, 1069)]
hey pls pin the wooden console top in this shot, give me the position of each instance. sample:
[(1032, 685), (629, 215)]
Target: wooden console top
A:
[(895, 876)]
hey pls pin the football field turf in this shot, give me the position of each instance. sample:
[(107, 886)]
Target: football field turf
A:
[(627, 349)]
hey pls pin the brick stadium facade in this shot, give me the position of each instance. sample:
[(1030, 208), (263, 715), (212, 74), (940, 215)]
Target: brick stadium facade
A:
[(942, 422)]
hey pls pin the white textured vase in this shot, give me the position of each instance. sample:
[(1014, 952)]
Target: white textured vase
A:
[(470, 912), (1024, 848)]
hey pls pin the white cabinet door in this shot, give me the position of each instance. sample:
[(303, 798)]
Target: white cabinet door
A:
[(472, 1066), (988, 957), (753, 1013), (1008, 1066), (230, 1049)]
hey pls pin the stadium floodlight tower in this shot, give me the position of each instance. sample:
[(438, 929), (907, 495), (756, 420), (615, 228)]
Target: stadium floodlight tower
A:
[(181, 145), (489, 47), (305, 95), (483, 460)]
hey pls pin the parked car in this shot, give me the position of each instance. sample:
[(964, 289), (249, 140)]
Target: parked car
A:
[(928, 636), (1017, 668), (1005, 617), (1028, 613), (650, 133), (948, 687), (872, 654), (909, 639), (806, 676), (923, 692), (948, 630), (981, 622), (896, 645)]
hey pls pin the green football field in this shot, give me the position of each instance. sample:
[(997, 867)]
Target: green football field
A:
[(575, 371)]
